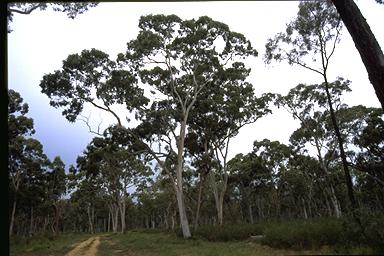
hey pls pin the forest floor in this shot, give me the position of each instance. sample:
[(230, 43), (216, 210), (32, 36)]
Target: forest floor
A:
[(144, 244)]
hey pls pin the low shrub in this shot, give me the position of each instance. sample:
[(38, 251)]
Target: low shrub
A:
[(228, 232), (343, 235), (304, 234), (369, 234)]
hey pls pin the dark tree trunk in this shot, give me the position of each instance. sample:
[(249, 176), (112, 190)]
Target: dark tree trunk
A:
[(343, 157), (365, 42), (31, 223), (57, 219), (109, 221), (250, 212), (12, 217)]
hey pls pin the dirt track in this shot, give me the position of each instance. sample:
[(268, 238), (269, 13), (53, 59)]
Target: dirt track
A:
[(86, 248)]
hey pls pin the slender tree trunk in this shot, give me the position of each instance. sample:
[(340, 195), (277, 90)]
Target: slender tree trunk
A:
[(153, 222), (94, 224), (12, 218), (250, 211), (109, 221), (31, 222), (335, 202), (220, 217), (343, 157), (367, 45), (198, 202), (122, 207), (116, 218), (332, 194), (46, 222), (166, 224), (305, 214), (260, 209), (173, 221), (57, 218), (90, 220), (327, 203), (215, 191), (309, 202), (218, 195)]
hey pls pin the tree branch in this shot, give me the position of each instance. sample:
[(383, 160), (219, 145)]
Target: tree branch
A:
[(26, 11), (86, 121)]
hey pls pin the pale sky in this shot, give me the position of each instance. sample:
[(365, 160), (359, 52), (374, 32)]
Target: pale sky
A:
[(42, 40)]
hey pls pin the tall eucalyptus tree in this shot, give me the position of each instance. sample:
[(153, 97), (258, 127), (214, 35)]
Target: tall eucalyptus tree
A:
[(311, 39), (174, 60)]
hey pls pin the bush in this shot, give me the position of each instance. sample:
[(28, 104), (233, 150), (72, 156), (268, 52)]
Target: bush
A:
[(304, 234), (343, 235), (372, 235), (228, 232)]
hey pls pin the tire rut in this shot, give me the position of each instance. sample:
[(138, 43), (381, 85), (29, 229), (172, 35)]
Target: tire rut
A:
[(88, 247)]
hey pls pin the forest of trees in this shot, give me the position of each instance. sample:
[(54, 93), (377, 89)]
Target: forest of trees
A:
[(166, 166)]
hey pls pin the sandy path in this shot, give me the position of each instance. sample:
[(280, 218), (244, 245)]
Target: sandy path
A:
[(86, 248)]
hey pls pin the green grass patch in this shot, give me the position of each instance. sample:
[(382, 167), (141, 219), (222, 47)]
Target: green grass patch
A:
[(168, 244), (45, 244)]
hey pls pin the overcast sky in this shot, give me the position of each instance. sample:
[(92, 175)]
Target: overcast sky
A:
[(42, 40)]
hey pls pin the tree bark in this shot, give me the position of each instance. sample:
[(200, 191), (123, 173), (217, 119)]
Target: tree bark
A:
[(46, 222), (57, 218), (173, 220), (305, 214), (335, 202), (183, 215), (31, 222), (109, 221), (327, 203), (12, 217), (250, 211), (90, 219), (114, 216), (122, 207), (198, 202), (166, 224), (153, 222), (179, 170), (365, 42)]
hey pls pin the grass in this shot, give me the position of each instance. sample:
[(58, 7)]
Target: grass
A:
[(293, 238), (168, 244), (45, 245), (139, 243)]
